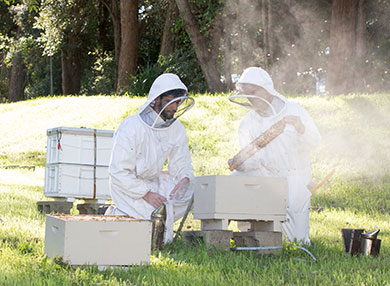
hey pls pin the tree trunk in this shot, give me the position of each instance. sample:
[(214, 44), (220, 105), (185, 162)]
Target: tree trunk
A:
[(241, 56), (114, 13), (231, 17), (71, 65), (207, 56), (269, 33), (342, 46), (361, 49), (117, 29), (361, 31), (265, 32), (17, 78), (228, 60), (167, 44), (104, 24), (129, 42)]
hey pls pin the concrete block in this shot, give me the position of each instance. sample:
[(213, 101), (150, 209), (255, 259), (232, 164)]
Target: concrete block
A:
[(214, 224), (240, 198), (218, 238), (262, 226), (61, 207), (100, 240), (91, 208), (259, 238)]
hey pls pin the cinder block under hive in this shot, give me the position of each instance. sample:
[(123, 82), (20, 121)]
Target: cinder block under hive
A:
[(259, 239), (91, 208), (61, 207), (218, 238)]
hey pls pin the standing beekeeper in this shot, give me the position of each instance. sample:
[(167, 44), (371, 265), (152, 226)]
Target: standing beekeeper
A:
[(142, 145), (285, 156)]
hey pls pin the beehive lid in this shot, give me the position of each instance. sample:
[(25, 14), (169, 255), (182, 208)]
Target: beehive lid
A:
[(102, 218), (80, 131)]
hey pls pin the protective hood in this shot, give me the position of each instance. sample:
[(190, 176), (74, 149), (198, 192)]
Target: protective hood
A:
[(259, 77), (165, 83)]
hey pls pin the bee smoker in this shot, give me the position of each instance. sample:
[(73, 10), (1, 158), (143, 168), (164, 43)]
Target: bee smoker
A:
[(357, 242), (352, 240), (158, 218), (370, 244)]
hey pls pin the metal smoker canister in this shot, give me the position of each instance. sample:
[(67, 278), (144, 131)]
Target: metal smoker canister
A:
[(158, 218), (352, 240), (370, 245)]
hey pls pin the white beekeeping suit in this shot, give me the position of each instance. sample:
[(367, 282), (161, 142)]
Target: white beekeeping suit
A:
[(142, 144), (285, 156)]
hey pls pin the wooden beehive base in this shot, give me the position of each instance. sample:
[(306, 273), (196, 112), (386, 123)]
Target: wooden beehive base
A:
[(61, 207)]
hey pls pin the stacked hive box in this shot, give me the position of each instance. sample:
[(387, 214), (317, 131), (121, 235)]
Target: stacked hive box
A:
[(240, 198), (77, 163), (259, 201)]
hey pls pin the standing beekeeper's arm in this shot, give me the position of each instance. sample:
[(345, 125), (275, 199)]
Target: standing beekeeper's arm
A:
[(180, 167), (123, 165)]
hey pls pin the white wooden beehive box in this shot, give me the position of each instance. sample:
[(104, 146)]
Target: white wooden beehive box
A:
[(76, 181), (240, 198), (77, 162), (79, 146), (99, 240)]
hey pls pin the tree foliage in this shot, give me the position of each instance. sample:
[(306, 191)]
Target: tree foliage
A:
[(291, 39)]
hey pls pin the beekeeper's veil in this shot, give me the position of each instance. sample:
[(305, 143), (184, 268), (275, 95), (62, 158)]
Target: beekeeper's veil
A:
[(165, 84), (260, 78)]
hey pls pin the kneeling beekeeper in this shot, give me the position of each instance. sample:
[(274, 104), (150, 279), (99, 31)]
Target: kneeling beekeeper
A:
[(287, 155), (141, 146)]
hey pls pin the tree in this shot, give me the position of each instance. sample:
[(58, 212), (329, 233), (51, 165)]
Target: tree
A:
[(376, 66), (74, 27), (167, 44), (344, 43), (114, 13), (17, 78), (71, 64), (22, 19), (129, 42), (117, 28), (206, 48)]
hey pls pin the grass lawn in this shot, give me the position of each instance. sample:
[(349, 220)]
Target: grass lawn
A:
[(356, 141)]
